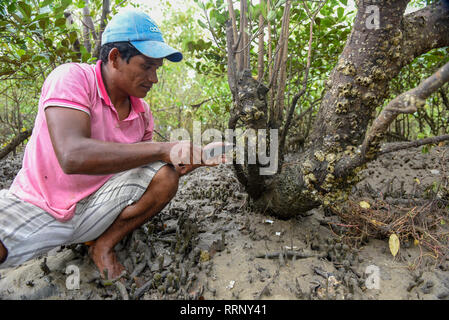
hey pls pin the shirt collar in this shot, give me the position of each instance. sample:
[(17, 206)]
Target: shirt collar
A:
[(136, 103)]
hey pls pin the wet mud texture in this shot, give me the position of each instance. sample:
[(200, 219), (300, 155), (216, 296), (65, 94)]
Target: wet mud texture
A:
[(208, 243)]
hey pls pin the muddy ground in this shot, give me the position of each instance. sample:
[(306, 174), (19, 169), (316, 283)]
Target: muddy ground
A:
[(209, 244)]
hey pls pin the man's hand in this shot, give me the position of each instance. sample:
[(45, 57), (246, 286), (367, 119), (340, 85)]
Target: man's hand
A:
[(186, 157), (219, 153)]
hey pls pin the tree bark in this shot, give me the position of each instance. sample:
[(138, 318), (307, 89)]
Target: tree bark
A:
[(76, 44), (104, 14), (261, 51), (88, 28)]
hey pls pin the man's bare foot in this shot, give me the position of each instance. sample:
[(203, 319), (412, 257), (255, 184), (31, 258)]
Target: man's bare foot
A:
[(105, 259), (3, 252)]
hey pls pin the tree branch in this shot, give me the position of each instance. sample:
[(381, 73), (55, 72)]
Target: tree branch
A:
[(306, 75), (88, 27), (244, 56), (232, 74), (392, 147), (104, 14), (212, 30), (76, 43), (21, 137), (233, 26), (431, 21), (279, 71), (407, 102), (261, 52)]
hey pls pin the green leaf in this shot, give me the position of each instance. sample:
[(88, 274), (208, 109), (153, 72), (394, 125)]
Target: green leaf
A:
[(280, 3), (16, 17), (340, 12), (25, 9), (73, 36), (33, 26), (213, 22), (221, 18), (61, 51), (21, 52), (41, 16), (202, 25), (80, 4), (83, 50), (43, 23), (256, 11), (421, 135), (45, 3), (12, 8), (65, 43), (48, 42), (263, 9), (60, 22), (327, 22), (92, 60), (38, 58), (66, 3), (345, 2)]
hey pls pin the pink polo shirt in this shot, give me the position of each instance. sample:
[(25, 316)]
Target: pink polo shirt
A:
[(41, 180)]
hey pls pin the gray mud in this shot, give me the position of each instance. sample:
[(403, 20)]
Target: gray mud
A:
[(209, 244)]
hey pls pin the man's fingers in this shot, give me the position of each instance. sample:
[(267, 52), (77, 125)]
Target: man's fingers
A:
[(183, 169), (187, 153)]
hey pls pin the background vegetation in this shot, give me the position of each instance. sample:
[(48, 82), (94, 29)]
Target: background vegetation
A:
[(36, 36)]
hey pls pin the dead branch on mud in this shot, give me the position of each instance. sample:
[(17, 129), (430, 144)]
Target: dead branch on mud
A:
[(413, 144), (15, 142)]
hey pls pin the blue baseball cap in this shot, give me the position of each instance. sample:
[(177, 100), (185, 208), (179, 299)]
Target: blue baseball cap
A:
[(142, 32)]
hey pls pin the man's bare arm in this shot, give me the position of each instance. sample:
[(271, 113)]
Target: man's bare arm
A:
[(78, 153)]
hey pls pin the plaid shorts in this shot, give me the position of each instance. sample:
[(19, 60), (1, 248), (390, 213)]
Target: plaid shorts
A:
[(27, 231)]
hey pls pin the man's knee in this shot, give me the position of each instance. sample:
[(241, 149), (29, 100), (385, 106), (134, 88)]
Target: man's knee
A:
[(166, 182)]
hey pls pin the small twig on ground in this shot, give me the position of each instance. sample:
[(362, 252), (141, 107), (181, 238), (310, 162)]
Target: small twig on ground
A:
[(140, 291), (266, 290), (122, 290), (289, 254)]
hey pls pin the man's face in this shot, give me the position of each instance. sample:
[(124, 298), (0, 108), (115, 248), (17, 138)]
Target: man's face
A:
[(138, 76)]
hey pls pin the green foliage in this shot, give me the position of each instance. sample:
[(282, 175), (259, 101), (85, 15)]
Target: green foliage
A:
[(183, 95), (39, 38), (331, 28), (36, 37)]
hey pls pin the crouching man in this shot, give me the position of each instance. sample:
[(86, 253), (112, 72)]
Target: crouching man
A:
[(90, 170)]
